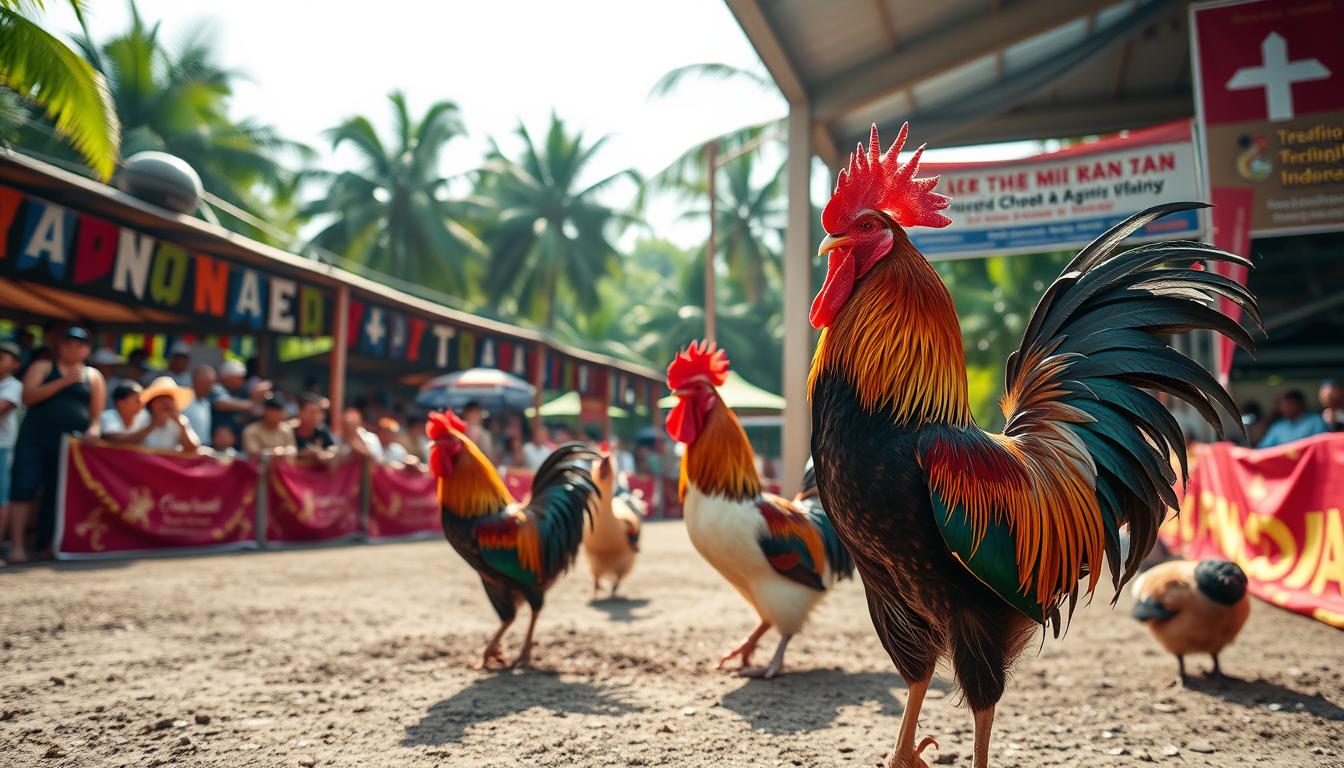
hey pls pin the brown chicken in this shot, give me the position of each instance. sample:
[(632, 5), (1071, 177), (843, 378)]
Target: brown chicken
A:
[(611, 539), (1193, 607)]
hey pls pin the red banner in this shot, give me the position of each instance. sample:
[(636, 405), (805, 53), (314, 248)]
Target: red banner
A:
[(308, 502), (403, 502), (117, 501), (1276, 513), (519, 483)]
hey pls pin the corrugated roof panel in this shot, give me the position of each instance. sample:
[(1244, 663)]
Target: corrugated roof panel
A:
[(912, 20), (885, 111), (1038, 48), (968, 78), (824, 39), (1115, 13)]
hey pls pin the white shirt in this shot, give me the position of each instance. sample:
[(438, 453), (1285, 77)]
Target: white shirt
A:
[(394, 453), (110, 422), (535, 455), (168, 437), (11, 390)]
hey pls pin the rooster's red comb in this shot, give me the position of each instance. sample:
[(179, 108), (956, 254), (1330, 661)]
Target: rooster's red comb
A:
[(877, 180), (439, 425), (699, 359)]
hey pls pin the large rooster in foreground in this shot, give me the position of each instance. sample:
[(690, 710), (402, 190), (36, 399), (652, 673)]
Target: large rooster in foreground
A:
[(519, 550), (780, 554), (968, 540)]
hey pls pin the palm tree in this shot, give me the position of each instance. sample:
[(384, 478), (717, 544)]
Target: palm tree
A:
[(179, 103), (748, 220), (36, 65), (548, 234), (395, 213)]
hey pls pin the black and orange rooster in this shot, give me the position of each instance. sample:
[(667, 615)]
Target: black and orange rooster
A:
[(519, 550), (967, 540)]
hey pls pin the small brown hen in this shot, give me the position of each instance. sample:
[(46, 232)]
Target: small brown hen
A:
[(1193, 607)]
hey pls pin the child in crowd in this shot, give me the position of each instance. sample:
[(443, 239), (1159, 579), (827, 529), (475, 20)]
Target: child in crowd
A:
[(11, 396)]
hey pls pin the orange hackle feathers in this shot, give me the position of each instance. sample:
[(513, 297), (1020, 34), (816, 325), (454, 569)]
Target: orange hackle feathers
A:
[(899, 344), (876, 180), (473, 488), (701, 360), (720, 461)]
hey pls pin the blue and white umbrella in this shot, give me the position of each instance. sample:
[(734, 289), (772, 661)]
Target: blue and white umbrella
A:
[(493, 389)]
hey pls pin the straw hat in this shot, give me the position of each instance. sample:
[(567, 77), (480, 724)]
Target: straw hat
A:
[(164, 385)]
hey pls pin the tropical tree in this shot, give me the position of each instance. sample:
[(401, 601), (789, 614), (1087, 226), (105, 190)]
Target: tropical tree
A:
[(36, 65), (548, 233), (395, 213), (750, 216)]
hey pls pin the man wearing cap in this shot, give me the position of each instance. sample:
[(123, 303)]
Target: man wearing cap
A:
[(169, 430), (64, 396), (179, 364), (271, 433), (126, 421), (238, 406), (108, 363)]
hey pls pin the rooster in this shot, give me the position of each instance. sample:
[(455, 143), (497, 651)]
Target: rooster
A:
[(966, 540), (1193, 607), (780, 554), (611, 541), (519, 550)]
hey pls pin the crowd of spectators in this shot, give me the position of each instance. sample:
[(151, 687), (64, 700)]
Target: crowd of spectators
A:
[(1293, 419)]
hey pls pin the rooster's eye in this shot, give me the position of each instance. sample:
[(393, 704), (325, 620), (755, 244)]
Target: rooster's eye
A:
[(867, 225)]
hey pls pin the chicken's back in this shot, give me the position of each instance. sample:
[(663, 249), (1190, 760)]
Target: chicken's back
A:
[(1199, 624)]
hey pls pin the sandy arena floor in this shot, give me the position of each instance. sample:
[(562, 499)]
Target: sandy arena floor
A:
[(361, 656)]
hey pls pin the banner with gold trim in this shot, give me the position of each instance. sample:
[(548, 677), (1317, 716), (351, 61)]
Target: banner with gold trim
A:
[(309, 501), (119, 501), (1276, 513), (403, 502)]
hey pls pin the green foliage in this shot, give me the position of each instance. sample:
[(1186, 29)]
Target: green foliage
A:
[(547, 232), (994, 299), (396, 213), (36, 65)]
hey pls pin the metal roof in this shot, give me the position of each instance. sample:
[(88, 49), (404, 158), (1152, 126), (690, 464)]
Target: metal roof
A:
[(974, 71)]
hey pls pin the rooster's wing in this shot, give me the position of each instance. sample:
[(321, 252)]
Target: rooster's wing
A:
[(1085, 449)]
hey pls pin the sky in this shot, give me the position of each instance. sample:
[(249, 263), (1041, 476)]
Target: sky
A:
[(309, 65)]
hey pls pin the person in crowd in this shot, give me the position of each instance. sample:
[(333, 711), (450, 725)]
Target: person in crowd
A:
[(625, 460), (271, 433), (126, 421), (356, 440), (179, 366), (394, 452), (311, 437), (512, 454), (1294, 422), (137, 364), (223, 442), (109, 364), (239, 406), (11, 397), (561, 433), (417, 444), (27, 343), (63, 396), (537, 447), (169, 430), (206, 393), (474, 416), (1332, 404)]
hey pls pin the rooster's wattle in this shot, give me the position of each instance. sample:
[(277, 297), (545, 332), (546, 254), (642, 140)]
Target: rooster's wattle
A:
[(968, 540)]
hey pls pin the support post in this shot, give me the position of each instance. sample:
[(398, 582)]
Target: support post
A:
[(538, 383), (340, 335), (797, 428), (711, 169)]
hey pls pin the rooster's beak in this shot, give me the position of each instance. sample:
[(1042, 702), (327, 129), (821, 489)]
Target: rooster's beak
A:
[(830, 243)]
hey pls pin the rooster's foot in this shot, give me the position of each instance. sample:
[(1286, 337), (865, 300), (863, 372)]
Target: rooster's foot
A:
[(915, 758), (492, 654), (743, 652), (760, 673), (524, 660)]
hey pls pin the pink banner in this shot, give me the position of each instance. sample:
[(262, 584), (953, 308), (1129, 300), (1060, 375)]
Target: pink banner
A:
[(519, 483), (403, 502), (308, 502), (117, 501)]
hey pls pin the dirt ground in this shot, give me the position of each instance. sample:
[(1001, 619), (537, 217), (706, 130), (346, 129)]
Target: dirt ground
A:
[(359, 656)]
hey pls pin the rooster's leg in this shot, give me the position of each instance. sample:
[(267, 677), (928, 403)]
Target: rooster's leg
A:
[(747, 647), (524, 659), (617, 583), (907, 755), (492, 648), (1180, 665), (597, 588), (1217, 670), (984, 721), (773, 668)]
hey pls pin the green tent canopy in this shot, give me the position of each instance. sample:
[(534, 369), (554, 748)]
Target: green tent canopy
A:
[(740, 395), (567, 405)]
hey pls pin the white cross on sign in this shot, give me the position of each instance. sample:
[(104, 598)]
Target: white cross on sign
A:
[(1276, 74)]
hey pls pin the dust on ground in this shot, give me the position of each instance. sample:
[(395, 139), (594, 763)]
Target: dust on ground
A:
[(362, 656)]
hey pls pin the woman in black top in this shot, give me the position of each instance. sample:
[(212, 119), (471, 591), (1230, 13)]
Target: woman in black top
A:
[(63, 396)]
